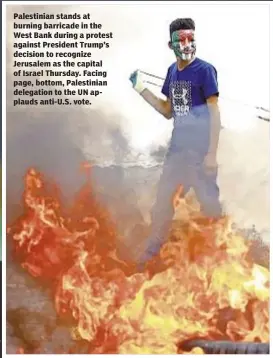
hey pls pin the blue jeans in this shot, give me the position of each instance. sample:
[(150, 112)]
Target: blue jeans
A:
[(181, 168)]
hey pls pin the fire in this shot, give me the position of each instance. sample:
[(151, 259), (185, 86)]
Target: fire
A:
[(203, 284)]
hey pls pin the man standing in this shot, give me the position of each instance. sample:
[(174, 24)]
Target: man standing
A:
[(191, 91)]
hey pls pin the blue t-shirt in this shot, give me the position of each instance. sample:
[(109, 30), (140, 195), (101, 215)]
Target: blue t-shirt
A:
[(188, 91)]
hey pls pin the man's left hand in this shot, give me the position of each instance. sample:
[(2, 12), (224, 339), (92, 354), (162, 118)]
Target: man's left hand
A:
[(210, 162)]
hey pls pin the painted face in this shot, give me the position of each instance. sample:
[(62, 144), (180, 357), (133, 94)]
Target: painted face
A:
[(183, 44)]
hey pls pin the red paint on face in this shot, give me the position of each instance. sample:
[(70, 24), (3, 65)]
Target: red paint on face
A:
[(185, 36)]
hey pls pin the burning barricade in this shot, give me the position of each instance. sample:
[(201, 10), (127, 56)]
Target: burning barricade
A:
[(203, 284)]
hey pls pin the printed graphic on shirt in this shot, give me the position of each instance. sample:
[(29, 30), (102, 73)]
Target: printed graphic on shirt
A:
[(181, 97)]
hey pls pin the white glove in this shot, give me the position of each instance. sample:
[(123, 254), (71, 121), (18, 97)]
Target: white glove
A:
[(137, 81)]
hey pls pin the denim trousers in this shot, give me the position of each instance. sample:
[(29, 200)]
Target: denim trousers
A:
[(186, 168)]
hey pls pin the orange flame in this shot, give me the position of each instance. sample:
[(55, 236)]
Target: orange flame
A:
[(205, 287)]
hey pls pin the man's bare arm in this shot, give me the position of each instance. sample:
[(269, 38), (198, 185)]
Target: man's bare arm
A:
[(160, 105), (215, 121)]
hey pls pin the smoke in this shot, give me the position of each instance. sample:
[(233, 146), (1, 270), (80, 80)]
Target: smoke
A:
[(56, 140)]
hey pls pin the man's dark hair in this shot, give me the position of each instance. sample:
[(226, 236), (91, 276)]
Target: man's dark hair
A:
[(181, 24)]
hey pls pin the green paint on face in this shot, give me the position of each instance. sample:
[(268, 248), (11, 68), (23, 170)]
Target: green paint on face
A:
[(175, 36), (176, 44)]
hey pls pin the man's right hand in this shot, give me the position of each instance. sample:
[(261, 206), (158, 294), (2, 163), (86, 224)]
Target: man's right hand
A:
[(137, 82), (162, 106)]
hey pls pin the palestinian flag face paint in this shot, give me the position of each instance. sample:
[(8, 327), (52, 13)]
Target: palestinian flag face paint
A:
[(183, 44)]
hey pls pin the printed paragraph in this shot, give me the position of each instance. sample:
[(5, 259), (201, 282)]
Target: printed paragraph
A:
[(57, 59)]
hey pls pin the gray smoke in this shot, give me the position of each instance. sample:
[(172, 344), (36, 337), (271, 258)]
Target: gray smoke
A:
[(56, 140)]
